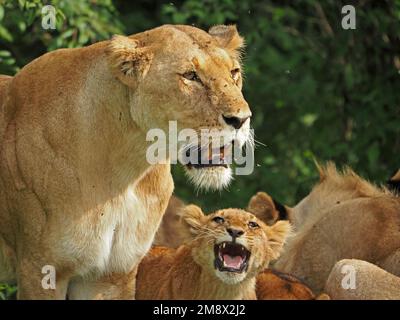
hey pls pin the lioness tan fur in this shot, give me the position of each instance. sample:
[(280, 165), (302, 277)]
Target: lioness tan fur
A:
[(171, 232), (343, 217), (370, 282), (77, 193)]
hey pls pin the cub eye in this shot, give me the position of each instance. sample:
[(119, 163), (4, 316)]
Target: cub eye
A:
[(253, 225), (235, 74), (192, 76), (218, 220)]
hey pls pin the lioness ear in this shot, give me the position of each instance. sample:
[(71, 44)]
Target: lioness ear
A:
[(128, 60), (228, 38), (268, 210), (277, 235), (320, 169), (192, 217), (394, 182)]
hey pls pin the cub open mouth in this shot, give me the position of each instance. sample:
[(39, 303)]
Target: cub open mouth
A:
[(208, 157), (231, 257)]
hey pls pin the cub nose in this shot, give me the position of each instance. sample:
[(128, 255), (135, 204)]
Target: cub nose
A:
[(234, 233), (235, 122)]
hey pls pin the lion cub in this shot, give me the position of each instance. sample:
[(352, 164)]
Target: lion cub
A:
[(226, 252)]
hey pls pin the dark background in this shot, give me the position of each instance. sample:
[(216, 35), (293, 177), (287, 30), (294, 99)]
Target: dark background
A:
[(316, 90)]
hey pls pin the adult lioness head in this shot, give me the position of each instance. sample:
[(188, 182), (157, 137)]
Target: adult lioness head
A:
[(186, 74), (232, 243)]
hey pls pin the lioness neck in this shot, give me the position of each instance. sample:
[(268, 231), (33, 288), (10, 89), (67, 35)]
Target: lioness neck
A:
[(119, 143), (83, 131)]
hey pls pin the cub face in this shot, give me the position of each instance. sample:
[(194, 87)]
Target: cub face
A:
[(193, 77), (233, 244)]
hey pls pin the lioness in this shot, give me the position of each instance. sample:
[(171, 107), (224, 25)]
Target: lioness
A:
[(77, 193), (344, 217), (221, 261), (369, 282)]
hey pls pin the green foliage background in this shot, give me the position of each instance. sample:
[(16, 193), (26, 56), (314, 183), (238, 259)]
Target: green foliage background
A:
[(316, 90)]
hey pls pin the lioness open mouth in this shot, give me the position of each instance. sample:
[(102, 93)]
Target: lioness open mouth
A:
[(231, 257), (205, 158)]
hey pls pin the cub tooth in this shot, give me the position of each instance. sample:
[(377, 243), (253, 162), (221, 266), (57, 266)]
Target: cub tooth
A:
[(223, 245)]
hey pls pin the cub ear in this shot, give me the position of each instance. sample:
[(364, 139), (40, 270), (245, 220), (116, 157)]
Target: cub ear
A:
[(262, 206), (268, 210), (192, 217), (129, 60), (277, 235), (228, 38)]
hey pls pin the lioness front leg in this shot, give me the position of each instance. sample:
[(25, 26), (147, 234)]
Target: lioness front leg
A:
[(39, 280), (115, 286)]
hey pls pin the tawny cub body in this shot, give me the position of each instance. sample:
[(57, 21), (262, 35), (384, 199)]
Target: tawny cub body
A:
[(221, 260), (228, 250), (270, 284)]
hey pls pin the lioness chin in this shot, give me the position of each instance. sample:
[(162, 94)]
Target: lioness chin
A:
[(77, 191)]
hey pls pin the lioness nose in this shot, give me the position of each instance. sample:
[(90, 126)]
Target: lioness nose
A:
[(235, 122), (234, 233)]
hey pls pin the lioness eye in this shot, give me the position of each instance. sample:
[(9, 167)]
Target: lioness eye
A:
[(235, 74), (218, 219), (192, 76), (253, 224)]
